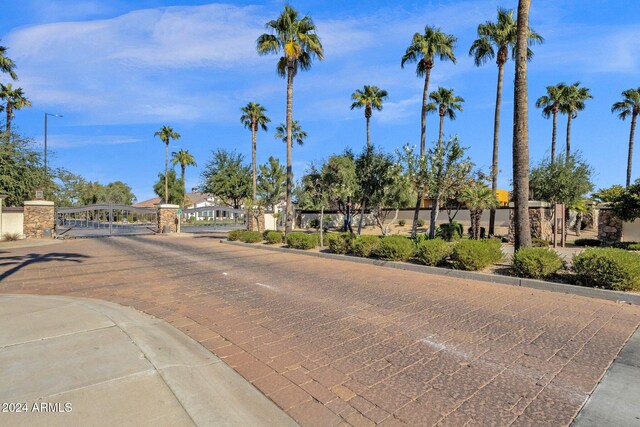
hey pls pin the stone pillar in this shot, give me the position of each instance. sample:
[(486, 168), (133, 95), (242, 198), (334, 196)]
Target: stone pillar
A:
[(39, 219), (168, 218), (540, 220), (255, 219), (609, 227)]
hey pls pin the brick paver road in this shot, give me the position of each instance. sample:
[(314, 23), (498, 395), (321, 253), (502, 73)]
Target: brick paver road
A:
[(334, 342)]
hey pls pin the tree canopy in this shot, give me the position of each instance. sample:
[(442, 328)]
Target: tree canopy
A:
[(227, 177), (566, 180)]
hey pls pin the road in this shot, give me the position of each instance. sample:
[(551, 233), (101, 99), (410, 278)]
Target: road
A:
[(333, 342)]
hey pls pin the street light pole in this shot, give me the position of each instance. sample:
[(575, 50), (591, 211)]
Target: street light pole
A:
[(45, 140)]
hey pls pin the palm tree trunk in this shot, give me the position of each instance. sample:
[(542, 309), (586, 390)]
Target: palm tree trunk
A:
[(166, 172), (183, 168), (423, 137), (494, 161), (364, 203), (435, 210), (568, 151), (441, 130), (630, 157), (554, 133), (522, 230), (289, 211), (368, 134), (253, 160), (9, 110)]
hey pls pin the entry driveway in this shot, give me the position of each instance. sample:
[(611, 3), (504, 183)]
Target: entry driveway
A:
[(333, 342)]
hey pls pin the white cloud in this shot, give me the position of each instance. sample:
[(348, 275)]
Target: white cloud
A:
[(74, 141)]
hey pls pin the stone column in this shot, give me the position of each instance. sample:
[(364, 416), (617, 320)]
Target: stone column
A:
[(609, 226), (255, 219), (168, 218), (39, 219)]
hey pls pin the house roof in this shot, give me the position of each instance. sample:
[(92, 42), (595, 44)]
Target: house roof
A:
[(147, 203), (194, 199)]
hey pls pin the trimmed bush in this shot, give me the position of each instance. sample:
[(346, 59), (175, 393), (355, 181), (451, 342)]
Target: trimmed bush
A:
[(251, 236), (420, 223), (539, 243), (433, 252), (341, 244), (299, 240), (473, 255), (402, 222), (366, 246), (274, 237), (608, 268), (235, 235), (395, 248), (629, 246), (536, 263), (449, 232), (587, 242)]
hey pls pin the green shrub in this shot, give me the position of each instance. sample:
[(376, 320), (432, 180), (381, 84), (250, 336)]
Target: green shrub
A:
[(449, 232), (587, 242), (274, 237), (433, 252), (420, 223), (539, 243), (341, 244), (402, 222), (395, 248), (536, 263), (251, 237), (629, 246), (476, 254), (235, 235), (608, 268), (299, 240), (314, 223), (328, 237), (366, 246)]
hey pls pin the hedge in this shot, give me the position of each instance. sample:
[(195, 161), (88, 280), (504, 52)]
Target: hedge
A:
[(395, 248), (299, 240), (235, 235), (251, 236), (341, 244), (274, 237), (433, 252), (608, 268), (476, 255), (366, 246), (536, 263)]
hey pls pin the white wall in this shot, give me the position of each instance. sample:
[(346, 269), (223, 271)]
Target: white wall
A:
[(11, 223), (631, 231)]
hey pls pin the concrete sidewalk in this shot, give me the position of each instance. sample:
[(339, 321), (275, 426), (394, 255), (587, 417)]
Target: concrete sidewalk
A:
[(75, 361)]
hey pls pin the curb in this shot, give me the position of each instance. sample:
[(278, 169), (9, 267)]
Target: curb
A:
[(617, 296)]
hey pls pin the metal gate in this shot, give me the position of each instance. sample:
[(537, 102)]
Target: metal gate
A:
[(105, 220)]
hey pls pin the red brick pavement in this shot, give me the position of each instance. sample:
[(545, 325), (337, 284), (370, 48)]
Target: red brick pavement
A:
[(338, 343)]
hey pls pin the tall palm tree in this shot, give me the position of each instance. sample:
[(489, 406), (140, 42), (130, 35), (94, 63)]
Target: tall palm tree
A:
[(252, 118), (446, 104), (522, 230), (166, 134), (574, 98), (369, 98), (550, 104), (14, 100), (296, 38), (500, 35), (183, 158), (629, 106), (6, 64), (423, 50), (297, 134)]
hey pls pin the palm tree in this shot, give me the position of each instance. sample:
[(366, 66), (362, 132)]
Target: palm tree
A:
[(183, 158), (370, 97), (297, 134), (478, 196), (446, 104), (297, 40), (15, 100), (6, 64), (522, 230), (500, 35), (573, 99), (550, 104), (253, 117), (166, 133), (629, 106), (423, 50)]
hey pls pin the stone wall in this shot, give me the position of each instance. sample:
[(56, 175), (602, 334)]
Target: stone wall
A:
[(39, 219), (609, 227), (255, 219), (540, 221), (168, 218)]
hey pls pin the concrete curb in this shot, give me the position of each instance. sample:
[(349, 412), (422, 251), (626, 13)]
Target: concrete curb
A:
[(617, 296)]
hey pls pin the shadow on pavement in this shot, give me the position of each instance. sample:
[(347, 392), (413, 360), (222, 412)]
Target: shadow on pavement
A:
[(22, 261)]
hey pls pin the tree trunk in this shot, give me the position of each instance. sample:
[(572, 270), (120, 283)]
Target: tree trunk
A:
[(166, 172), (289, 211), (496, 134), (9, 110), (254, 126), (568, 151), (423, 137), (364, 203), (630, 157), (435, 209), (554, 133), (368, 134), (416, 214), (522, 230), (441, 129), (184, 185)]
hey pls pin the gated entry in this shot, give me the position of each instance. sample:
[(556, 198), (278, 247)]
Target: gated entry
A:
[(105, 220), (212, 218)]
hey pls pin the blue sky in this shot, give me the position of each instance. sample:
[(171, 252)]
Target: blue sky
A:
[(118, 70)]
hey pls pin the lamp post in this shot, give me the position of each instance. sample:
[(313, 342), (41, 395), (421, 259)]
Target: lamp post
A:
[(45, 139)]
